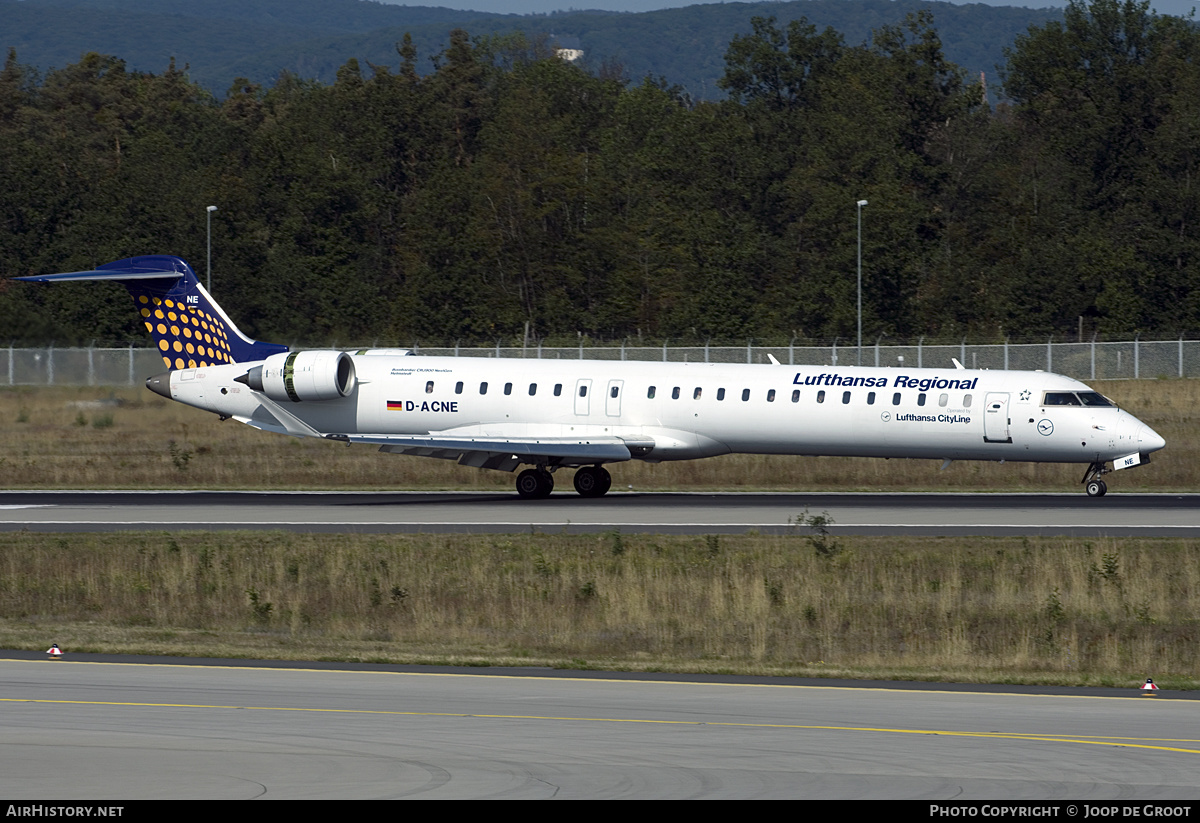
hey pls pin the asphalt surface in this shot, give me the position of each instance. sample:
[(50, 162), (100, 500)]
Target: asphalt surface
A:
[(84, 729), (1116, 515)]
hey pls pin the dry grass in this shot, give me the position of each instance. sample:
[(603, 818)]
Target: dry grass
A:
[(1011, 610), (55, 439)]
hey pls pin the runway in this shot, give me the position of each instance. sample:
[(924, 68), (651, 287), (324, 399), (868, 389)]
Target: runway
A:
[(1116, 515), (77, 730)]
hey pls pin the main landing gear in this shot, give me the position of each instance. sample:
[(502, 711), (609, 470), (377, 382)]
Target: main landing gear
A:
[(535, 484), (590, 481), (1091, 480)]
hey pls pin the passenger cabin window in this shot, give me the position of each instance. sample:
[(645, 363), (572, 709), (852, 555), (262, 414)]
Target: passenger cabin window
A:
[(558, 389), (675, 393), (870, 398), (845, 397), (745, 395), (696, 394), (508, 388), (583, 391), (821, 396), (613, 392), (921, 399), (720, 394), (483, 388), (650, 393), (896, 399), (532, 389), (458, 387), (771, 396), (795, 395), (943, 400), (966, 401), (429, 387)]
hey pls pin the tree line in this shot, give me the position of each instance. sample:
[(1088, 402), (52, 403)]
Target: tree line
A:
[(511, 190)]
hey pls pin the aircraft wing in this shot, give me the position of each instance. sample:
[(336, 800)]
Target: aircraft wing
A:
[(506, 453)]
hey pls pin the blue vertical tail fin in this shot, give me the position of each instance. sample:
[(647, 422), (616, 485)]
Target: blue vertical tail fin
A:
[(187, 325)]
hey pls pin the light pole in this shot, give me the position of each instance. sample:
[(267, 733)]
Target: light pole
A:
[(209, 260), (860, 205)]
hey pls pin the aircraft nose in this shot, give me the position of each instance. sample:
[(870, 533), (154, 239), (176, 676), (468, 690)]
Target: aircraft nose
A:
[(1149, 440)]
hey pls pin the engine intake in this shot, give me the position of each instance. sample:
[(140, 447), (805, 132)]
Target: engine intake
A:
[(303, 375)]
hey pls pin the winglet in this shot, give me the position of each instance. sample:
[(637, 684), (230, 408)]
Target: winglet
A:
[(187, 324)]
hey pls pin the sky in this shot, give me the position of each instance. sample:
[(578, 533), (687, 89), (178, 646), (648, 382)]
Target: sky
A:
[(1181, 7)]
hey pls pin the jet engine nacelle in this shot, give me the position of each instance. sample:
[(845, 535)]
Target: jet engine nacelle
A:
[(303, 375)]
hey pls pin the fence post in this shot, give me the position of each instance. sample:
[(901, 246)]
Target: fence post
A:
[(622, 348), (1181, 356), (664, 351), (835, 351), (1006, 354), (1136, 357), (131, 364), (50, 365), (91, 363), (876, 352), (10, 363), (791, 352), (920, 347), (1049, 355), (963, 351), (749, 355), (1093, 355)]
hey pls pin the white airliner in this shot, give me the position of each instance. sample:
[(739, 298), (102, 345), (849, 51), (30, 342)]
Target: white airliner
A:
[(581, 414)]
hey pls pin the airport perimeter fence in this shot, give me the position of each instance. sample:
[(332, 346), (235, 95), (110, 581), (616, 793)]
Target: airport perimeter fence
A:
[(1129, 360)]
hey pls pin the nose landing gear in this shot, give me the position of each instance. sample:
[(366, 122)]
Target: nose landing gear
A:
[(1092, 483)]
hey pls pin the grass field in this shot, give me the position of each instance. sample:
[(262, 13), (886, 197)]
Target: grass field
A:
[(97, 438), (991, 610)]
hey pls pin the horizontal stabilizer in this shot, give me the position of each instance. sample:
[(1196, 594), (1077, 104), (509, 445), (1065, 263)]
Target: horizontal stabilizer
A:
[(119, 276)]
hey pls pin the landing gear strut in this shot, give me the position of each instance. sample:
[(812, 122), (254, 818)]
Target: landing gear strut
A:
[(1091, 480), (592, 481), (535, 484)]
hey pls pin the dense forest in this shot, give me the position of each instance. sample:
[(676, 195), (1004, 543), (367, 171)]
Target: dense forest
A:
[(509, 187)]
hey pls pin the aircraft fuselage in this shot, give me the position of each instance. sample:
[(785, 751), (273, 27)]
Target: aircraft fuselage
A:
[(694, 410)]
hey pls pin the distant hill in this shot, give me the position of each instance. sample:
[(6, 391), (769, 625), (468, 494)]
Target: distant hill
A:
[(220, 40)]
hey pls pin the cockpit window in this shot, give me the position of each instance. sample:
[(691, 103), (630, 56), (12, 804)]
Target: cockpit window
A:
[(1070, 398), (1091, 398)]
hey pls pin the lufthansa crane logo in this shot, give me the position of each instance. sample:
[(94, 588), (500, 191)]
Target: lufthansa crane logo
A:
[(1045, 427)]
